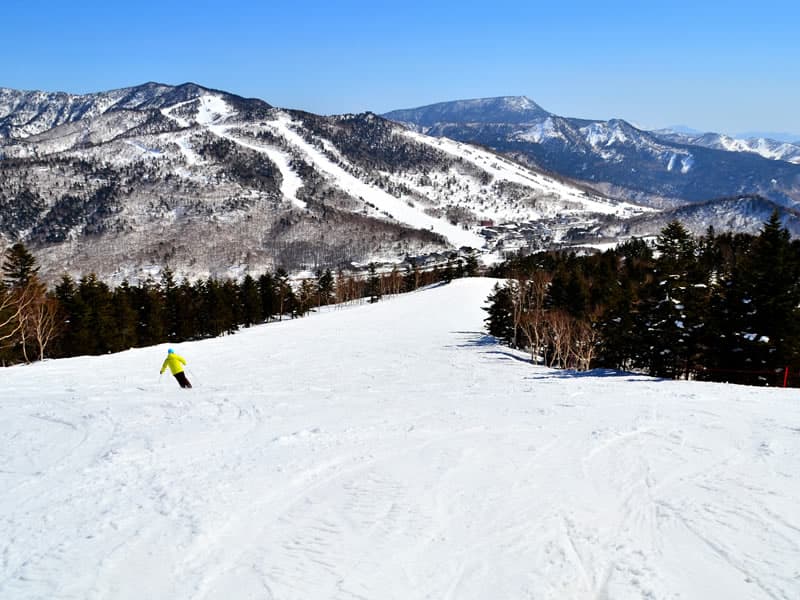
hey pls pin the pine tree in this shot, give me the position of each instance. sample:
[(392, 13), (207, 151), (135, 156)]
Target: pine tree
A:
[(219, 307), (19, 266), (125, 317), (325, 287), (24, 306), (772, 272), (98, 317), (283, 293), (373, 284), (672, 311), (75, 338), (172, 312), (306, 298), (250, 301), (471, 266), (500, 322), (149, 303), (266, 292)]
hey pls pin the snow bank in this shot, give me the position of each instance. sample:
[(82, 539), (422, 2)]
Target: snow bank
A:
[(390, 451)]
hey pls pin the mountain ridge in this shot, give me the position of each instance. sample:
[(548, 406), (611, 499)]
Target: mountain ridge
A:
[(212, 183), (614, 156)]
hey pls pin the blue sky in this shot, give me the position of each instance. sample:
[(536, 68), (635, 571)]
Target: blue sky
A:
[(724, 66)]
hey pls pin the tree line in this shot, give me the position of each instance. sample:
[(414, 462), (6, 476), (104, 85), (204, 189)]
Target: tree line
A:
[(719, 307), (87, 316)]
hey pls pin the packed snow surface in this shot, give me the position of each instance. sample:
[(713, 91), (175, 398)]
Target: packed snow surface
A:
[(390, 451)]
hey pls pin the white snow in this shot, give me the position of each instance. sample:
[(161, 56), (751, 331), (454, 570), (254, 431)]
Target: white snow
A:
[(212, 109), (505, 170), (185, 145), (542, 130), (390, 451), (396, 207), (290, 180), (167, 112)]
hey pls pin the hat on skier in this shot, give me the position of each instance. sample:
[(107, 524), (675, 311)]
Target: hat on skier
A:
[(170, 351)]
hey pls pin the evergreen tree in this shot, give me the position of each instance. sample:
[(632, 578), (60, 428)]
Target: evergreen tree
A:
[(189, 307), (218, 308), (19, 266), (471, 266), (250, 301), (25, 304), (500, 322), (125, 317), (619, 345), (373, 284), (283, 293), (172, 312), (149, 303), (267, 294), (76, 338), (772, 273), (231, 294), (325, 287), (306, 298), (670, 312), (98, 316), (569, 290)]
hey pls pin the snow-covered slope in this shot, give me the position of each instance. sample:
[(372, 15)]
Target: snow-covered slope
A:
[(768, 148), (390, 451)]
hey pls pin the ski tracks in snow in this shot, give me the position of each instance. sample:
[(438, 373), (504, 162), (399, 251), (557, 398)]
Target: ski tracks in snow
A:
[(324, 460)]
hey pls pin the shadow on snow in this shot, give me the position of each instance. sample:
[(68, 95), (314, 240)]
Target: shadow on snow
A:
[(477, 339)]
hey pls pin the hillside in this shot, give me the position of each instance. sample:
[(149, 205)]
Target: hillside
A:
[(125, 182), (614, 157), (390, 451)]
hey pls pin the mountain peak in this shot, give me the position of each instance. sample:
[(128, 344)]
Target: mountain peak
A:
[(521, 103), (500, 109)]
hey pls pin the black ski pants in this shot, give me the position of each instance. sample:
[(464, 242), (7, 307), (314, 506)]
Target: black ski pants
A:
[(182, 381)]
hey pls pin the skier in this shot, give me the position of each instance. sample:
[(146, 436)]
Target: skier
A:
[(175, 363)]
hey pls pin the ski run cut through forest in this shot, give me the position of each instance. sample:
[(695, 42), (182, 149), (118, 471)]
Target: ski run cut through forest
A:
[(390, 451)]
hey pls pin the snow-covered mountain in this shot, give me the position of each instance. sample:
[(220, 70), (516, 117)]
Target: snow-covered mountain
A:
[(25, 113), (768, 148), (504, 109), (613, 157), (740, 214), (123, 182), (390, 451)]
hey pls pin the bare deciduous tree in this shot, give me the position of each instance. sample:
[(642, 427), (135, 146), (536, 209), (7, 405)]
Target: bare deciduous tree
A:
[(44, 323), (14, 306), (586, 337), (532, 321), (561, 326)]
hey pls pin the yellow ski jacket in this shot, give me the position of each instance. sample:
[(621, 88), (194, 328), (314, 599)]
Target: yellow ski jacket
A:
[(175, 363)]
